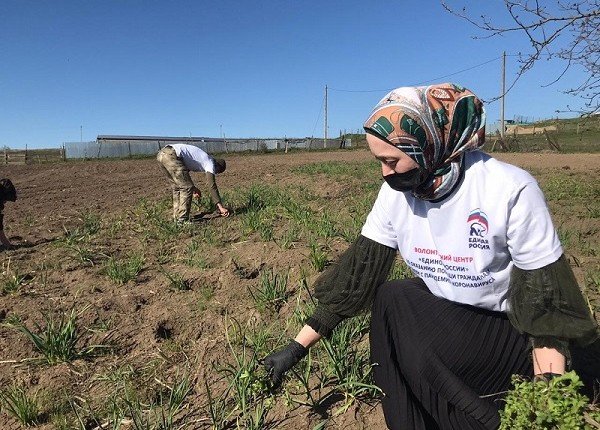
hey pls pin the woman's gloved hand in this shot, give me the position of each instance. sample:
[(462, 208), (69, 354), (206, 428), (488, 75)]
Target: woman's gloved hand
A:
[(278, 363)]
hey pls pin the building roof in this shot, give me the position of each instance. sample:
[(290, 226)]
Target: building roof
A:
[(161, 138)]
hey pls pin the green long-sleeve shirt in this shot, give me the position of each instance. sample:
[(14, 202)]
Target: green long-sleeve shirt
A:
[(545, 303), (211, 183)]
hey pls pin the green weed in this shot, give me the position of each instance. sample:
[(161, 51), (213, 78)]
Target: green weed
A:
[(164, 253), (400, 270), (324, 226), (82, 253), (289, 237), (565, 235), (272, 292), (13, 281), (58, 340), (195, 256), (17, 403), (123, 271), (206, 294), (177, 281), (556, 404), (318, 257), (348, 366), (89, 224), (247, 388)]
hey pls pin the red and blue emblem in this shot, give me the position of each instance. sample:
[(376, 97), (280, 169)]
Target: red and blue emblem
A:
[(479, 223)]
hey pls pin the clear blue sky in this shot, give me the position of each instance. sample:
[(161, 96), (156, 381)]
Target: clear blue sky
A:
[(248, 68)]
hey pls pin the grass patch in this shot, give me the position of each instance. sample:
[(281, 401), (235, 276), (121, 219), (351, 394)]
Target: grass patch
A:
[(17, 403), (123, 271), (58, 340), (177, 281), (272, 291)]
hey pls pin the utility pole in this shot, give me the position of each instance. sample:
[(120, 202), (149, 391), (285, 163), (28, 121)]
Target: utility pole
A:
[(81, 133), (503, 94), (325, 141)]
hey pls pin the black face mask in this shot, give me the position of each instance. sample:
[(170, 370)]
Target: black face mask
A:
[(406, 181)]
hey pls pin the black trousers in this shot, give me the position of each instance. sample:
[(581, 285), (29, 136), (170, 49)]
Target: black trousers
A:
[(440, 364)]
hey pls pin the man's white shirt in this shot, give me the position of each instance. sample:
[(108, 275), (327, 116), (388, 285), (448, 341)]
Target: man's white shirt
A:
[(195, 159)]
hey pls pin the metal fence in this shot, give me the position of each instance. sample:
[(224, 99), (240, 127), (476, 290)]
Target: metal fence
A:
[(123, 147), (30, 156)]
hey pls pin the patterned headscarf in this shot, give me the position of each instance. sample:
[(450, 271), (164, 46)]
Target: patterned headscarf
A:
[(433, 125)]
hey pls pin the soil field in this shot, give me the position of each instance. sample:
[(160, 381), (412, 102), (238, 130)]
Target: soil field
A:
[(74, 222)]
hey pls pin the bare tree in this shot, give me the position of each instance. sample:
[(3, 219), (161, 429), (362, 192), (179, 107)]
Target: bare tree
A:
[(569, 31)]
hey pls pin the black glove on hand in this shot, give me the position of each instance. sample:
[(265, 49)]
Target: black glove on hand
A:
[(283, 360)]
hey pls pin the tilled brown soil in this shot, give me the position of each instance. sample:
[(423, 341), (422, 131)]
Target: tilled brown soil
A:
[(146, 317)]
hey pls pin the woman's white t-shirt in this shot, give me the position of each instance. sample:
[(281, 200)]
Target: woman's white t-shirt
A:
[(464, 247)]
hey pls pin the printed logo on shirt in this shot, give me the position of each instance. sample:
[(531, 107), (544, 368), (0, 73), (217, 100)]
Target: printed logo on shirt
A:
[(478, 229)]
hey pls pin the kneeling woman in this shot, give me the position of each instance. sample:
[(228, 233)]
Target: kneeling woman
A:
[(492, 293)]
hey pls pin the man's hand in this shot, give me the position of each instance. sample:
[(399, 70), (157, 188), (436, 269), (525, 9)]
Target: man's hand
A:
[(196, 193), (278, 363), (223, 211)]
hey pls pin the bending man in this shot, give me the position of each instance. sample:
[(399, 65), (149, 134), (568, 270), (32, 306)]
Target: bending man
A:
[(177, 161)]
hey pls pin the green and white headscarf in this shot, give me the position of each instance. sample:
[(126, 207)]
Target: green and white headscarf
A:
[(435, 126)]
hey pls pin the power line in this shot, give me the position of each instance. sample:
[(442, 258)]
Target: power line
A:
[(420, 83)]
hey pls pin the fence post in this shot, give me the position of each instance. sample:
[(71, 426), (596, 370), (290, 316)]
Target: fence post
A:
[(63, 153), (25, 153), (5, 156)]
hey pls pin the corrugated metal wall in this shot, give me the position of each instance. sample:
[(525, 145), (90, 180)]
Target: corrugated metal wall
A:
[(120, 148)]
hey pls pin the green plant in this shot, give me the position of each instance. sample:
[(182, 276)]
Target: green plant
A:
[(318, 257), (12, 282), (288, 238), (16, 402), (123, 271), (58, 340), (259, 337), (348, 366), (400, 270), (272, 291), (160, 414), (176, 280), (178, 392), (324, 226), (251, 221), (195, 257), (265, 230), (255, 198), (565, 235), (82, 253), (247, 384), (11, 320), (303, 372), (206, 294), (256, 417), (218, 409), (164, 253), (89, 224), (538, 405)]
